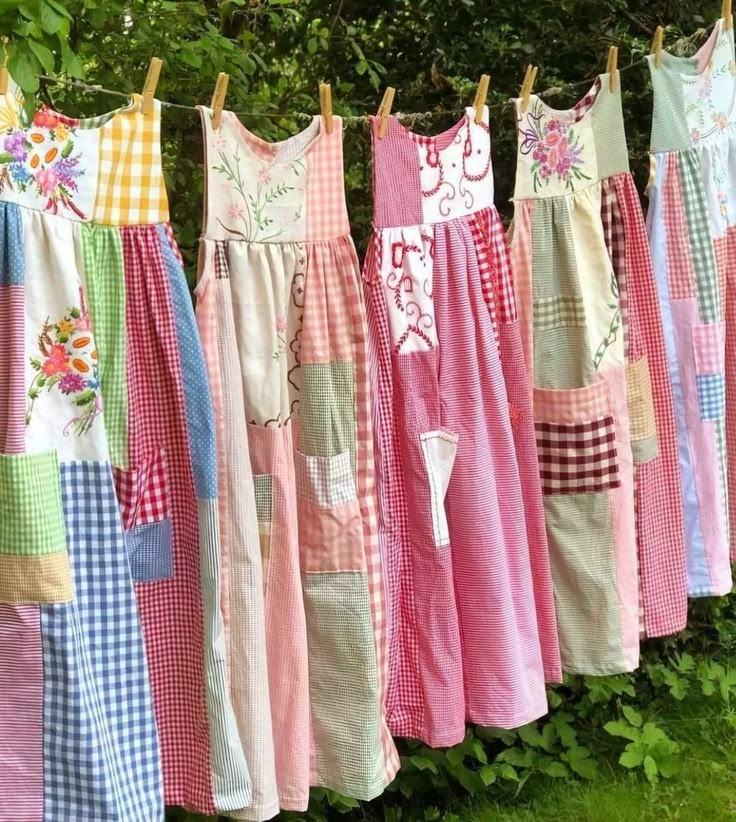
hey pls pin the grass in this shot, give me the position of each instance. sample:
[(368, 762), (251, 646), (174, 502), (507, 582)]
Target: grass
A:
[(704, 790)]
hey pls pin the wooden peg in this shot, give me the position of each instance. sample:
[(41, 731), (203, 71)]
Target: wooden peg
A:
[(4, 73), (325, 105), (612, 68), (657, 46), (384, 110), (727, 15), (527, 86), (218, 98), (480, 97), (149, 87)]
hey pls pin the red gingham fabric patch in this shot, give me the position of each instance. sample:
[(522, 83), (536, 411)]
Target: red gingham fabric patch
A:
[(680, 277), (658, 497), (143, 492), (397, 198), (583, 106), (171, 610), (577, 458)]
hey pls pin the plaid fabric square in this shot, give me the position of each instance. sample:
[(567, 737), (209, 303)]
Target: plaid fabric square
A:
[(712, 396), (101, 750), (582, 107), (559, 312), (149, 551), (131, 189), (144, 491), (325, 481), (577, 458)]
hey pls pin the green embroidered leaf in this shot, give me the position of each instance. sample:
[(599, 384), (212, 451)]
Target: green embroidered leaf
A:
[(67, 150)]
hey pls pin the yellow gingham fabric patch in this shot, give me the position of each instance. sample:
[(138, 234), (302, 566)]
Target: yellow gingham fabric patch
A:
[(641, 405), (130, 188)]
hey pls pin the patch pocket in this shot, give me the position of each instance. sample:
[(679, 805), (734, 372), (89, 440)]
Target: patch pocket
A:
[(576, 439), (709, 349), (439, 449), (330, 522), (558, 312), (34, 564), (145, 507), (642, 422)]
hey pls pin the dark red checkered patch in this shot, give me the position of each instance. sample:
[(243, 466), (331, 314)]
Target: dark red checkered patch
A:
[(577, 458), (143, 492)]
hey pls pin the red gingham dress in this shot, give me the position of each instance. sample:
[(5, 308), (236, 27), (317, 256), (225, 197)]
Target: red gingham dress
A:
[(472, 633)]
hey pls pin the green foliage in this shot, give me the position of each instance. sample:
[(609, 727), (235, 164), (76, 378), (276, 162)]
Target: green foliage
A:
[(276, 52)]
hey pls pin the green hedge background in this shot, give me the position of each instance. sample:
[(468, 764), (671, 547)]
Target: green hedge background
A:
[(653, 723)]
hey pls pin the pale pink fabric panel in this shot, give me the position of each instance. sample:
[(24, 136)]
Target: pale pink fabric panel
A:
[(271, 452), (21, 714), (327, 214), (624, 521)]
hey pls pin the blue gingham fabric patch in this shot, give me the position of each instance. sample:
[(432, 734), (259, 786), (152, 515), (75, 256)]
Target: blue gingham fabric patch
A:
[(101, 750), (712, 396), (149, 551)]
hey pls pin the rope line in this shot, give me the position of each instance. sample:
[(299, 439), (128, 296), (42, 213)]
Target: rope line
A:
[(404, 117)]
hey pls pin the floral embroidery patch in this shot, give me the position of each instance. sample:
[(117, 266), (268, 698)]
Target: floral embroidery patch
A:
[(68, 364), (555, 148), (41, 159), (250, 214)]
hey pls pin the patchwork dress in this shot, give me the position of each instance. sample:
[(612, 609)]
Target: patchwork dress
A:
[(472, 625), (107, 488), (603, 402), (283, 328), (692, 213)]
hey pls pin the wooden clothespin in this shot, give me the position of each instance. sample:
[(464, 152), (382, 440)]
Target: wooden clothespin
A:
[(657, 46), (527, 86), (218, 98), (4, 73), (612, 68), (149, 87), (480, 97), (384, 110), (726, 14), (325, 105)]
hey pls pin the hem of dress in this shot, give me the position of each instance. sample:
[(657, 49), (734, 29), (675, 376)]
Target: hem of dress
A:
[(361, 796), (509, 724), (256, 813), (699, 593), (602, 670)]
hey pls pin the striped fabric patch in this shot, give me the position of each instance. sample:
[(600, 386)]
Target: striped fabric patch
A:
[(556, 312), (577, 458)]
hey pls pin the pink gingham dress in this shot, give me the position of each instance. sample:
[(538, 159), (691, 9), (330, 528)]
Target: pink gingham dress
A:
[(472, 626), (283, 328)]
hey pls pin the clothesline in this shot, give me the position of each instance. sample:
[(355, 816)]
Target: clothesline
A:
[(347, 120)]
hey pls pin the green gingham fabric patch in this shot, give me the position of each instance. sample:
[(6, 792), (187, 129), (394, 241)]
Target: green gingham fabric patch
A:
[(702, 253), (263, 485), (327, 409), (103, 262), (31, 516), (559, 312)]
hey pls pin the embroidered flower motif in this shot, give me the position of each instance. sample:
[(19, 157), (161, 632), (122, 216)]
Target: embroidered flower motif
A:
[(219, 143), (720, 119), (264, 176), (280, 332), (695, 135), (68, 362), (555, 149), (433, 156), (723, 203), (236, 212), (42, 158), (281, 324)]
